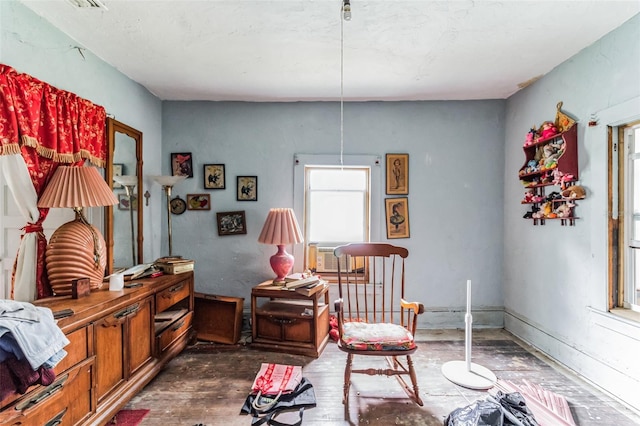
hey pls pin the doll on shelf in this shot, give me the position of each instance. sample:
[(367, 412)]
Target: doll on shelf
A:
[(547, 130)]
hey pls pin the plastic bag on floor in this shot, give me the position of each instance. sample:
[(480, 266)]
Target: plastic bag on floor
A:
[(502, 410), (515, 409), (480, 413)]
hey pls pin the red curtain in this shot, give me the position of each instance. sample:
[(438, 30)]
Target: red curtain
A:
[(47, 126)]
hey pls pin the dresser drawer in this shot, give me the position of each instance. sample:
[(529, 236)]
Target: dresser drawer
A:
[(67, 401), (174, 331), (77, 350), (172, 295)]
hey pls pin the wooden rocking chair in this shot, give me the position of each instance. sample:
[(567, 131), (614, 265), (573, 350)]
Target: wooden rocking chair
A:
[(373, 317)]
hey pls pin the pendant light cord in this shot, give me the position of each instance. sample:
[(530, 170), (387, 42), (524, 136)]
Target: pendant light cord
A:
[(341, 86)]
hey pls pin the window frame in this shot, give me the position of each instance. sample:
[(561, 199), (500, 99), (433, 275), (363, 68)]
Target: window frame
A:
[(621, 284), (303, 161)]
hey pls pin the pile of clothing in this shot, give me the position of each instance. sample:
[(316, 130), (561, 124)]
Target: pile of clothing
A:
[(31, 345)]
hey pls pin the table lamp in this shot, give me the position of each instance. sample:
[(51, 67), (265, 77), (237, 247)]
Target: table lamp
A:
[(77, 248), (129, 182), (167, 183), (281, 228)]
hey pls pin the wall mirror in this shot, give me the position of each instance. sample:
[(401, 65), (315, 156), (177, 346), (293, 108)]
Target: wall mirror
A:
[(123, 222)]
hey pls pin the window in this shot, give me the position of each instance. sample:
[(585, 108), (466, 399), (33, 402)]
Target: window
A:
[(336, 211), (625, 222), (335, 203)]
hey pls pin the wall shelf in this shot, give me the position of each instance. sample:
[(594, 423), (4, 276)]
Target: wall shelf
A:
[(550, 162)]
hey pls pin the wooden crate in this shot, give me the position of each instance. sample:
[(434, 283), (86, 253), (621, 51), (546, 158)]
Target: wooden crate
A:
[(218, 318)]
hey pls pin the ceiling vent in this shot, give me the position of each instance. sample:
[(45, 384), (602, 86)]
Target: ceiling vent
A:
[(88, 4)]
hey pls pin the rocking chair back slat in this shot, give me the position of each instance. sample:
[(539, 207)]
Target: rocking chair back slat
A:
[(371, 283)]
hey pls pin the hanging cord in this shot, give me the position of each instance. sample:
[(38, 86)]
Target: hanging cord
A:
[(341, 85)]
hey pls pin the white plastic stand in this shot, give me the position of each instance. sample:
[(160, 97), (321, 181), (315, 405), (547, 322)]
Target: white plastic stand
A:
[(466, 373)]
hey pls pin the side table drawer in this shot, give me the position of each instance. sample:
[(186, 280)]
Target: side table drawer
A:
[(285, 322)]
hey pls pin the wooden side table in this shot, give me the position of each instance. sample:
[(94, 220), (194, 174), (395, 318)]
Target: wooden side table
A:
[(287, 321)]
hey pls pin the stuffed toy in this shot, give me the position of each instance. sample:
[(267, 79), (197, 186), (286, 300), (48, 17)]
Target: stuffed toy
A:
[(532, 166), (333, 328), (574, 191), (528, 197), (565, 210), (555, 195), (531, 137), (530, 214), (548, 129)]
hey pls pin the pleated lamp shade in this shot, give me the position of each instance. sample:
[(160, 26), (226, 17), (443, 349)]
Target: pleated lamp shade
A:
[(76, 249), (73, 186), (281, 228)]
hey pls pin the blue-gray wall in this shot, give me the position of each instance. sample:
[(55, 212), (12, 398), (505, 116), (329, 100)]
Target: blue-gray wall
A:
[(455, 182), (555, 281), (465, 211)]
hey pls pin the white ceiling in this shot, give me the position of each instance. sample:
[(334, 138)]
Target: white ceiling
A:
[(287, 50)]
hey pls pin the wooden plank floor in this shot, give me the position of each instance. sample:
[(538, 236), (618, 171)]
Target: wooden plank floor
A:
[(208, 383)]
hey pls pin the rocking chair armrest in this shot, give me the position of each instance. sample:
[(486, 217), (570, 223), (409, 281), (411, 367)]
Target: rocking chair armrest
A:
[(417, 308)]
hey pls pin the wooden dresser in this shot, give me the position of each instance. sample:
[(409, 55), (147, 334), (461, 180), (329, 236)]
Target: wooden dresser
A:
[(119, 340)]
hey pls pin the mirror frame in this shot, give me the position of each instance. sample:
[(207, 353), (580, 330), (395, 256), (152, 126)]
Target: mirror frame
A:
[(113, 127)]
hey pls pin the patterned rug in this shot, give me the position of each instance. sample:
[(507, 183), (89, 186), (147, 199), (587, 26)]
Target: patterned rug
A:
[(128, 418)]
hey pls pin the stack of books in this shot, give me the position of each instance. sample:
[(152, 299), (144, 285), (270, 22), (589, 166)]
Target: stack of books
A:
[(304, 285), (174, 265), (142, 270)]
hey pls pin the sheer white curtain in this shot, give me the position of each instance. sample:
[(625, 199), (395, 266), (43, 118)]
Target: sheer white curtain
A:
[(17, 177)]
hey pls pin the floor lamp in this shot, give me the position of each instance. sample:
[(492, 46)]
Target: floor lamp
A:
[(129, 182), (466, 373), (167, 183)]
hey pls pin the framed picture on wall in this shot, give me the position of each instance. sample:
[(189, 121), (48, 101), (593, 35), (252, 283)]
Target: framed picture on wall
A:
[(247, 188), (214, 176), (181, 164), (123, 202), (397, 217), (198, 202), (118, 169), (397, 174), (231, 223)]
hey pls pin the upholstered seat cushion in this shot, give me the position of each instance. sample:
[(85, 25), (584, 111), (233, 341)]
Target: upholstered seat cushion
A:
[(376, 337)]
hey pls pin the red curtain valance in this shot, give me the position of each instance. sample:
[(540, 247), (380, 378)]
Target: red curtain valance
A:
[(47, 126), (57, 124)]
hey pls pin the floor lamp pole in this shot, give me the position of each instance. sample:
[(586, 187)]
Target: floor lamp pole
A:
[(167, 190), (129, 189), (465, 373)]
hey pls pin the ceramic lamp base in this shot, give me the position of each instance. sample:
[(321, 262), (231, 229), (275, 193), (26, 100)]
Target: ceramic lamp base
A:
[(281, 263), (70, 255)]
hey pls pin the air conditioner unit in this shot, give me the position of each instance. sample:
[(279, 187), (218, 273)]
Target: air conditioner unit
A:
[(327, 262)]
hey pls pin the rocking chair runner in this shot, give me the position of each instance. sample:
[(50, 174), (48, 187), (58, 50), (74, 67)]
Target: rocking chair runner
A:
[(374, 319)]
